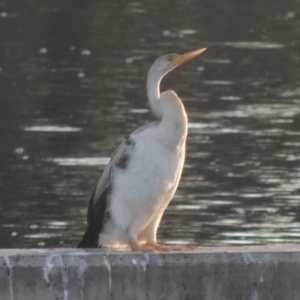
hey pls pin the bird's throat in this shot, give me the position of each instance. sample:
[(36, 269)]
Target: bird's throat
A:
[(153, 93)]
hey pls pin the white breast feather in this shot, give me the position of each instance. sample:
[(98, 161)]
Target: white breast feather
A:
[(146, 185)]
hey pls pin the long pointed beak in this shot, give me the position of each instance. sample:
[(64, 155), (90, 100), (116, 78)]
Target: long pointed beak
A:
[(185, 57)]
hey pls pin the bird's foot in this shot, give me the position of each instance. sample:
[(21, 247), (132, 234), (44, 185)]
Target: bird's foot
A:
[(135, 246), (154, 247), (163, 248), (148, 247)]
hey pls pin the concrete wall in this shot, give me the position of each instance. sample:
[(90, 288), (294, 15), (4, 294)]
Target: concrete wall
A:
[(231, 273)]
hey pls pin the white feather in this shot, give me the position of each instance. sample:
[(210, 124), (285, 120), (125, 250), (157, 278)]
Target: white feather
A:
[(144, 172)]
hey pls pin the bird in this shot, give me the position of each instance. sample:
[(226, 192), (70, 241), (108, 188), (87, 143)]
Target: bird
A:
[(141, 178)]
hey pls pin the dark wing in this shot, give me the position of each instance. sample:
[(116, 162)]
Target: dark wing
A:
[(95, 220), (98, 210), (99, 202)]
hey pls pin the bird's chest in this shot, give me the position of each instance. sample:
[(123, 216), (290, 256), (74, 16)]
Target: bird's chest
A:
[(150, 178), (156, 167)]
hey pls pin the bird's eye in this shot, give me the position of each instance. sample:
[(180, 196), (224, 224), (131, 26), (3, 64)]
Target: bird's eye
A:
[(171, 58)]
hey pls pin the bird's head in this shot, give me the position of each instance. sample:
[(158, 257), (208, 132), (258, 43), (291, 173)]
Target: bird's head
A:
[(166, 63), (159, 69)]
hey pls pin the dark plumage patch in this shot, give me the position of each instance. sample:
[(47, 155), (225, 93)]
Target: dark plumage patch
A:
[(123, 161), (97, 216), (129, 141)]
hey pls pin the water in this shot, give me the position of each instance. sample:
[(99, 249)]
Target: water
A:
[(73, 86)]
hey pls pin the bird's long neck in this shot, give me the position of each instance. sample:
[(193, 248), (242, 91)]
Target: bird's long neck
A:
[(173, 126), (153, 91)]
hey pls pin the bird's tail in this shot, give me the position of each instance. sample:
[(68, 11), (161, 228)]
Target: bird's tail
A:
[(96, 213), (90, 238)]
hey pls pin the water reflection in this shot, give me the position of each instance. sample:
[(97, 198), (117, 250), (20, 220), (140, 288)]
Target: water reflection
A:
[(254, 45), (218, 82), (84, 67), (52, 128), (83, 161)]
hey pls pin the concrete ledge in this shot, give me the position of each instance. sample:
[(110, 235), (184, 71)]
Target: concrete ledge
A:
[(231, 273)]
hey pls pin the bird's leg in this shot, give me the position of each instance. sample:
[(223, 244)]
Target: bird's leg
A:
[(135, 246)]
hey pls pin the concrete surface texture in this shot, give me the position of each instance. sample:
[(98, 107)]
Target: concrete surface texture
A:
[(231, 273)]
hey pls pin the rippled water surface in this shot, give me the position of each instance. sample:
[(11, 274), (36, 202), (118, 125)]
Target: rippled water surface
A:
[(73, 86)]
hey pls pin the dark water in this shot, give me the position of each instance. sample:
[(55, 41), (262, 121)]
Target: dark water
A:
[(73, 85)]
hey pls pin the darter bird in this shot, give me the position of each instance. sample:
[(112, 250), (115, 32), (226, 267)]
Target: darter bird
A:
[(143, 174)]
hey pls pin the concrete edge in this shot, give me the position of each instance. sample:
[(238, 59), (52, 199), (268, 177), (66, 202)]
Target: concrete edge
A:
[(207, 273)]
